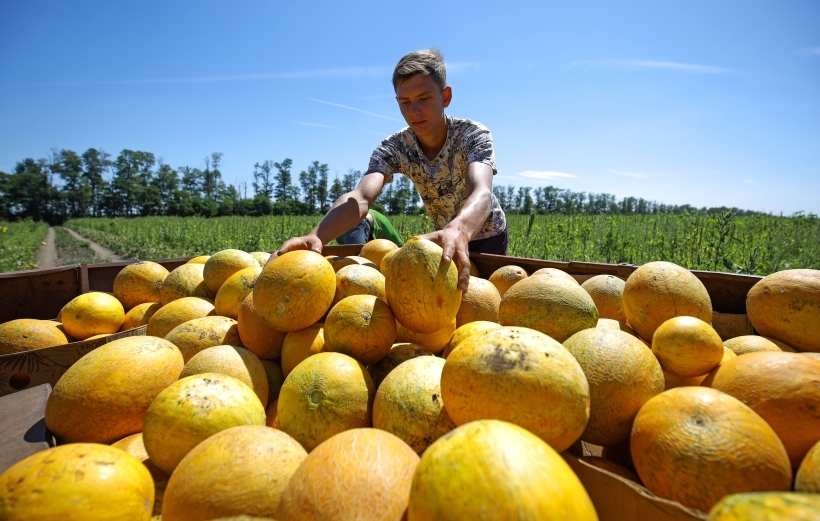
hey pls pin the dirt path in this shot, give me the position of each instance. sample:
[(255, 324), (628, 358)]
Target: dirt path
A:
[(47, 254), (101, 251)]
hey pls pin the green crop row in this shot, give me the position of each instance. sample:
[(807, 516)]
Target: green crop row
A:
[(19, 242), (758, 244)]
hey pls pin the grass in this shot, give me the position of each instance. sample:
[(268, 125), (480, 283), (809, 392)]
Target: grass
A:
[(19, 242), (758, 244)]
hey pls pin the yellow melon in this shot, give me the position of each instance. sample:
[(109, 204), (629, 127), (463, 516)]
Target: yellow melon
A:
[(358, 280), (467, 330), (104, 395), (480, 302), (294, 290), (241, 470), (434, 342), (504, 277), (25, 334), (275, 376), (92, 314), (262, 257), (695, 445), (518, 375), (740, 345), (134, 446), (85, 481), (421, 289), (408, 403), (491, 469), (687, 346), (400, 352), (786, 306), (139, 315), (375, 250), (324, 395), (360, 326), (197, 334), (658, 291), (607, 291), (234, 290), (201, 259), (233, 361), (138, 283), (608, 323), (340, 262), (766, 506), (185, 281), (808, 473), (264, 340), (223, 264), (177, 312), (357, 475), (552, 305), (191, 410), (301, 344), (554, 272)]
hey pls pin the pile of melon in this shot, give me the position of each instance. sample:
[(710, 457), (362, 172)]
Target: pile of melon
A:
[(369, 387)]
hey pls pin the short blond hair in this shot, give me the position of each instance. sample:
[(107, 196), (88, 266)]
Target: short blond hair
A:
[(429, 62)]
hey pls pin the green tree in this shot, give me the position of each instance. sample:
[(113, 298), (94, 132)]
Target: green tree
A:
[(132, 175), (96, 163), (284, 190), (263, 179), (76, 190)]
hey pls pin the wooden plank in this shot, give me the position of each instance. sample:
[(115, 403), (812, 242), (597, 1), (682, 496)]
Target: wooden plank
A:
[(38, 293), (23, 426)]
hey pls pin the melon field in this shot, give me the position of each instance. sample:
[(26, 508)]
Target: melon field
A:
[(754, 244)]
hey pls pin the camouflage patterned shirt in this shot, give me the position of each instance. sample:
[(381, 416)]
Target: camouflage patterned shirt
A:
[(441, 183)]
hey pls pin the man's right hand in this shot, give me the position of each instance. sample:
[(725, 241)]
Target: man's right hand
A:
[(308, 242)]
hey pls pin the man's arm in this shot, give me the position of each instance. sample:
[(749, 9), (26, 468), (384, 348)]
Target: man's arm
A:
[(455, 237), (347, 211)]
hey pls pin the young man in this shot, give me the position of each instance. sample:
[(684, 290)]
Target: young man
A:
[(450, 161)]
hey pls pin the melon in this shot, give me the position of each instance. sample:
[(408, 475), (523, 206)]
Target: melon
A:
[(357, 475), (134, 446), (262, 257), (301, 344), (766, 506), (408, 403), (622, 375), (807, 478), (275, 376), (658, 291), (399, 353), (241, 470), (786, 306), (139, 282), (434, 342), (185, 281), (375, 250), (92, 314), (467, 330), (193, 336), (177, 312), (783, 388), (85, 481), (687, 346), (200, 259), (233, 361), (695, 445), (193, 409), (25, 334), (324, 395), (504, 277), (607, 291), (554, 272), (234, 290), (421, 289), (139, 315), (223, 264), (480, 302), (490, 469), (103, 397), (552, 305), (360, 326), (264, 340), (358, 280), (741, 345), (294, 290), (518, 375)]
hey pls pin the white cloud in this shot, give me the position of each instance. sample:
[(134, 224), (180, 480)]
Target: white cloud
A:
[(748, 180), (650, 64), (545, 175), (355, 109), (629, 174)]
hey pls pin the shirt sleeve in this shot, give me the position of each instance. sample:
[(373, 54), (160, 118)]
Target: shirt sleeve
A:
[(480, 146), (385, 159)]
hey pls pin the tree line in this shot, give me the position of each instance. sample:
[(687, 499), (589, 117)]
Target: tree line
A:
[(67, 185)]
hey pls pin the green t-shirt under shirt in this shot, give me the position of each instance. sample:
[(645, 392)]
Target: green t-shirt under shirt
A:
[(382, 229)]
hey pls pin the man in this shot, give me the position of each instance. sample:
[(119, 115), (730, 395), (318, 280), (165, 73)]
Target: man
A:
[(450, 161)]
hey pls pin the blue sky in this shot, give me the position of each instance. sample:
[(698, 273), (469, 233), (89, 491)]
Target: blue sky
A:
[(706, 103)]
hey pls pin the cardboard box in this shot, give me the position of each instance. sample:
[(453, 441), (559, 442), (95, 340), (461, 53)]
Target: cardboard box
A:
[(29, 369)]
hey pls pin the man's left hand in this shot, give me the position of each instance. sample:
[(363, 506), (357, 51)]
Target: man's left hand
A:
[(455, 246)]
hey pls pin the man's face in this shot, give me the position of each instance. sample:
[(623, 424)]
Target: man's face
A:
[(422, 104)]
